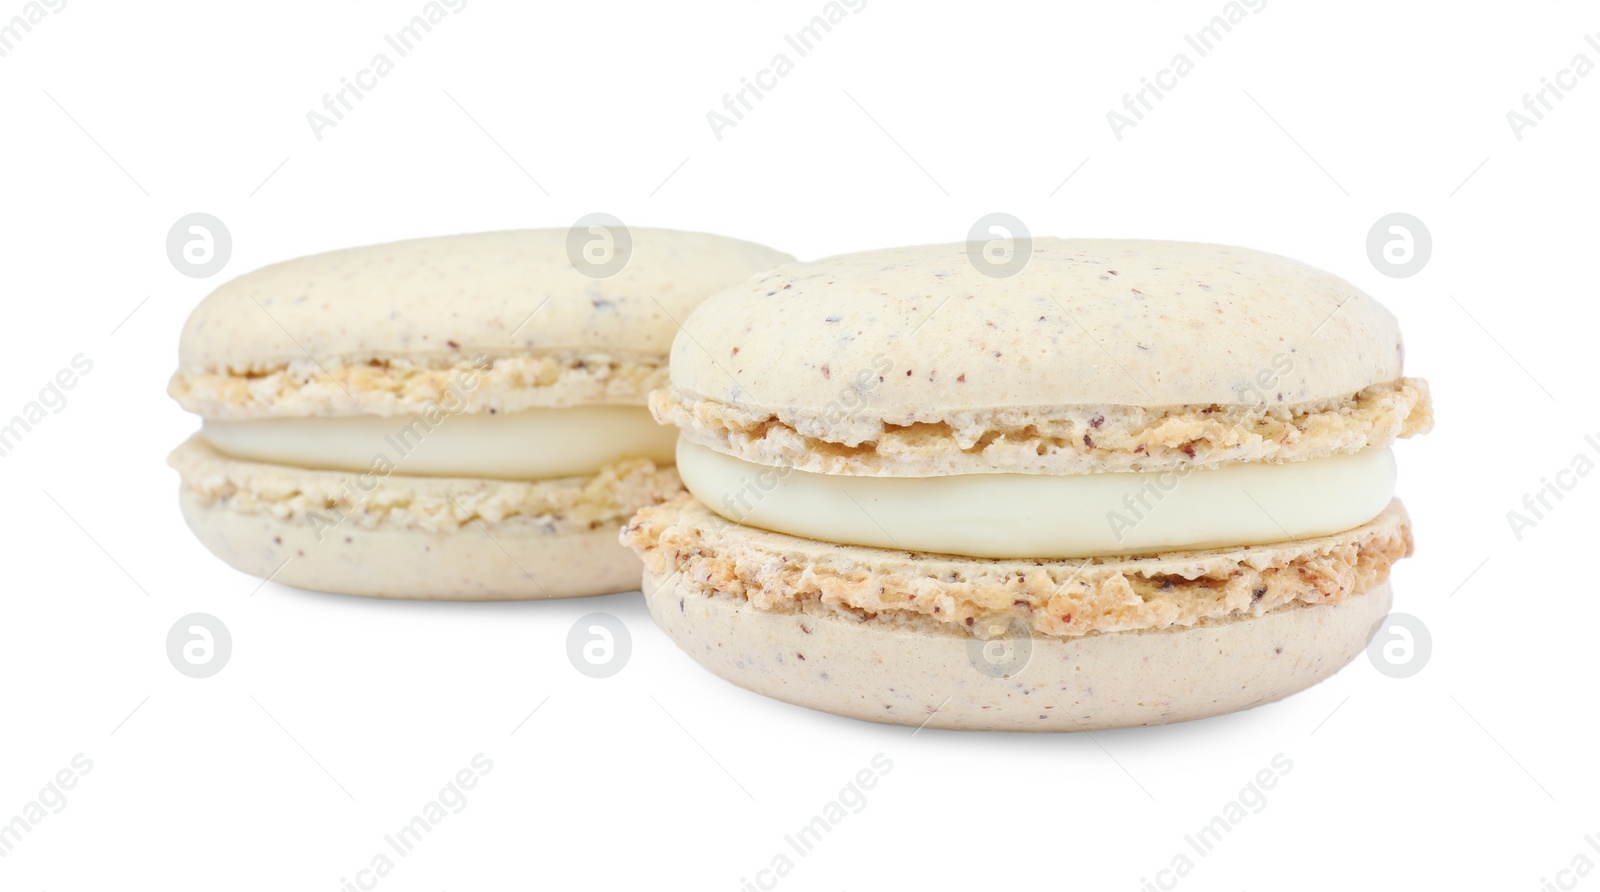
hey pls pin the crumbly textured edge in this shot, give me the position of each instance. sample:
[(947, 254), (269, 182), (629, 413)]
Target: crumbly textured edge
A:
[(1050, 440), (1056, 598), (433, 504), (404, 385)]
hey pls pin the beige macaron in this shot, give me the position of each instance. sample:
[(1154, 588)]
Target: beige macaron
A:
[(1131, 482), (459, 417)]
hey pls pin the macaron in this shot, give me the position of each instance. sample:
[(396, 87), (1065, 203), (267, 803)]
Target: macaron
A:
[(1129, 483), (455, 418)]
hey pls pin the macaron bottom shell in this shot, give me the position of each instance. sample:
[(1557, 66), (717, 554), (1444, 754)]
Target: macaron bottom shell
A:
[(920, 675), (521, 561)]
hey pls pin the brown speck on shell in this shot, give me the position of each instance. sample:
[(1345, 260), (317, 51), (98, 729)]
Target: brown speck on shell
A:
[(1096, 421), (827, 373), (961, 378)]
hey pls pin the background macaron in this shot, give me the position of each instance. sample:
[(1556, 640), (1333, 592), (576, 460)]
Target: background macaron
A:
[(457, 417), (1135, 482)]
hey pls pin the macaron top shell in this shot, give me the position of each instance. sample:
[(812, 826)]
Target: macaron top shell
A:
[(1084, 322), (1096, 356), (494, 291), (388, 329)]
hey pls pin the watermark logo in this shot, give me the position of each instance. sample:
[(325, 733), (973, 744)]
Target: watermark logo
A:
[(1578, 866), (850, 800), (1155, 88), (450, 800), (1399, 245), (1256, 390), (599, 245), (199, 645), (1537, 505), (1252, 799), (1144, 499), (199, 245), (754, 88), (1540, 102), (353, 89), (1000, 647), (403, 441), (12, 32), (999, 245), (1152, 490), (1401, 647), (854, 395), (599, 645), (50, 800), (52, 400)]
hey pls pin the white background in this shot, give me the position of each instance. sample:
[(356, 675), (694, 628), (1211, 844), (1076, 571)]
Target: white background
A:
[(338, 718)]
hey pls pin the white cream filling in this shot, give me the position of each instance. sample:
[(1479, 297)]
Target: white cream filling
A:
[(1036, 516), (529, 445)]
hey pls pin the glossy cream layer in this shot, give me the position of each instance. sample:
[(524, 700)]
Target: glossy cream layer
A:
[(528, 445), (1029, 515)]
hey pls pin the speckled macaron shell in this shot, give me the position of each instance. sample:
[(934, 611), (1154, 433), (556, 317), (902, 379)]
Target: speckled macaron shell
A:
[(909, 675), (497, 292), (1084, 323), (394, 536), (519, 560)]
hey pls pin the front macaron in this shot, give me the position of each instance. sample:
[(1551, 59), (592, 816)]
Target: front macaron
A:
[(460, 417), (1135, 482)]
